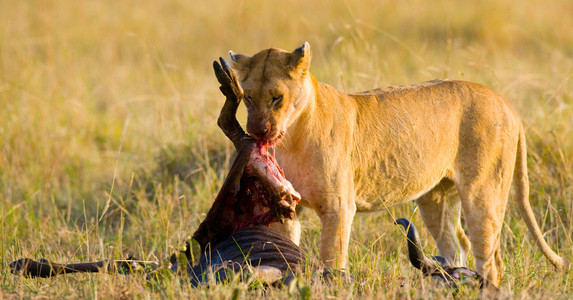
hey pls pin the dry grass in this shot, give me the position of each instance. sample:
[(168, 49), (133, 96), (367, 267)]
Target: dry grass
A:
[(109, 143)]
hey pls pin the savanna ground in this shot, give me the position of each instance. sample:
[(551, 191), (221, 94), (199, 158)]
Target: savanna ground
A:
[(109, 142)]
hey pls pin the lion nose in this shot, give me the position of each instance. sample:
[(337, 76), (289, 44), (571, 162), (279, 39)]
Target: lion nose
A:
[(260, 130)]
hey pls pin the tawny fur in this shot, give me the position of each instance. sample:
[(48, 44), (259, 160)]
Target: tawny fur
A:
[(362, 152)]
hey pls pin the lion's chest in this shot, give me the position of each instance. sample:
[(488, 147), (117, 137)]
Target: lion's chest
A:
[(301, 175)]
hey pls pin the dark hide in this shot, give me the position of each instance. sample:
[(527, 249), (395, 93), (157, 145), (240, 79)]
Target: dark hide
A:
[(257, 249), (43, 268)]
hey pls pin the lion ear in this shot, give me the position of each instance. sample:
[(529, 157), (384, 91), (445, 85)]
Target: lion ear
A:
[(300, 60), (240, 63)]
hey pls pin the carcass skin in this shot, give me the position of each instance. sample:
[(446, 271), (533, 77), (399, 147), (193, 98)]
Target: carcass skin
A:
[(259, 250), (254, 194)]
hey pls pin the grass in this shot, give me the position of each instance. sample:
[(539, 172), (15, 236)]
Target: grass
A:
[(109, 143)]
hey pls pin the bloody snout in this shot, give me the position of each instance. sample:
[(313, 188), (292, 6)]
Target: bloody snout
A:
[(259, 130)]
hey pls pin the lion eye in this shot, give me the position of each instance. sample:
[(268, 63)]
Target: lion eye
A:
[(248, 100), (277, 99)]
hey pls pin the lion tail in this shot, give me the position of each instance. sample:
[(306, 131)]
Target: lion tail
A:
[(522, 195)]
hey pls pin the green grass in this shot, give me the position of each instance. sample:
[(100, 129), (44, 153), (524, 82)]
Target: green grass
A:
[(109, 143)]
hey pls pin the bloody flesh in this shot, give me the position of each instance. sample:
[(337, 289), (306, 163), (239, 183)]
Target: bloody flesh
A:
[(265, 190), (265, 164), (255, 192)]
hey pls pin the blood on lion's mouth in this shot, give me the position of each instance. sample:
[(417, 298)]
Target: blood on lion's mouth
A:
[(270, 142)]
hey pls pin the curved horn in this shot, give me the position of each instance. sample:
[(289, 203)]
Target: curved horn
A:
[(417, 257)]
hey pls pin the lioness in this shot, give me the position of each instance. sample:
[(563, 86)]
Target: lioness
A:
[(361, 152)]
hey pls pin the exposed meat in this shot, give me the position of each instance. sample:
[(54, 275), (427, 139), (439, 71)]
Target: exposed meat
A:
[(262, 164), (266, 189), (255, 192)]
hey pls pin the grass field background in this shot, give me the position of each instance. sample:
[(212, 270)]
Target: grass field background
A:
[(109, 143)]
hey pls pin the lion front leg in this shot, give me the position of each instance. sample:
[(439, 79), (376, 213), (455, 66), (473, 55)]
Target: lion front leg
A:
[(336, 215)]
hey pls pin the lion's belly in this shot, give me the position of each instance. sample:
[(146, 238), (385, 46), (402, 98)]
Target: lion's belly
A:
[(390, 182), (387, 192)]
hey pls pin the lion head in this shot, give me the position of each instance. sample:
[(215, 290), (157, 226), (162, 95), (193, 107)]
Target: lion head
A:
[(276, 86)]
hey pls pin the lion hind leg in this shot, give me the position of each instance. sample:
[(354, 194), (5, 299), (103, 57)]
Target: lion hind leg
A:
[(484, 203), (441, 212)]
